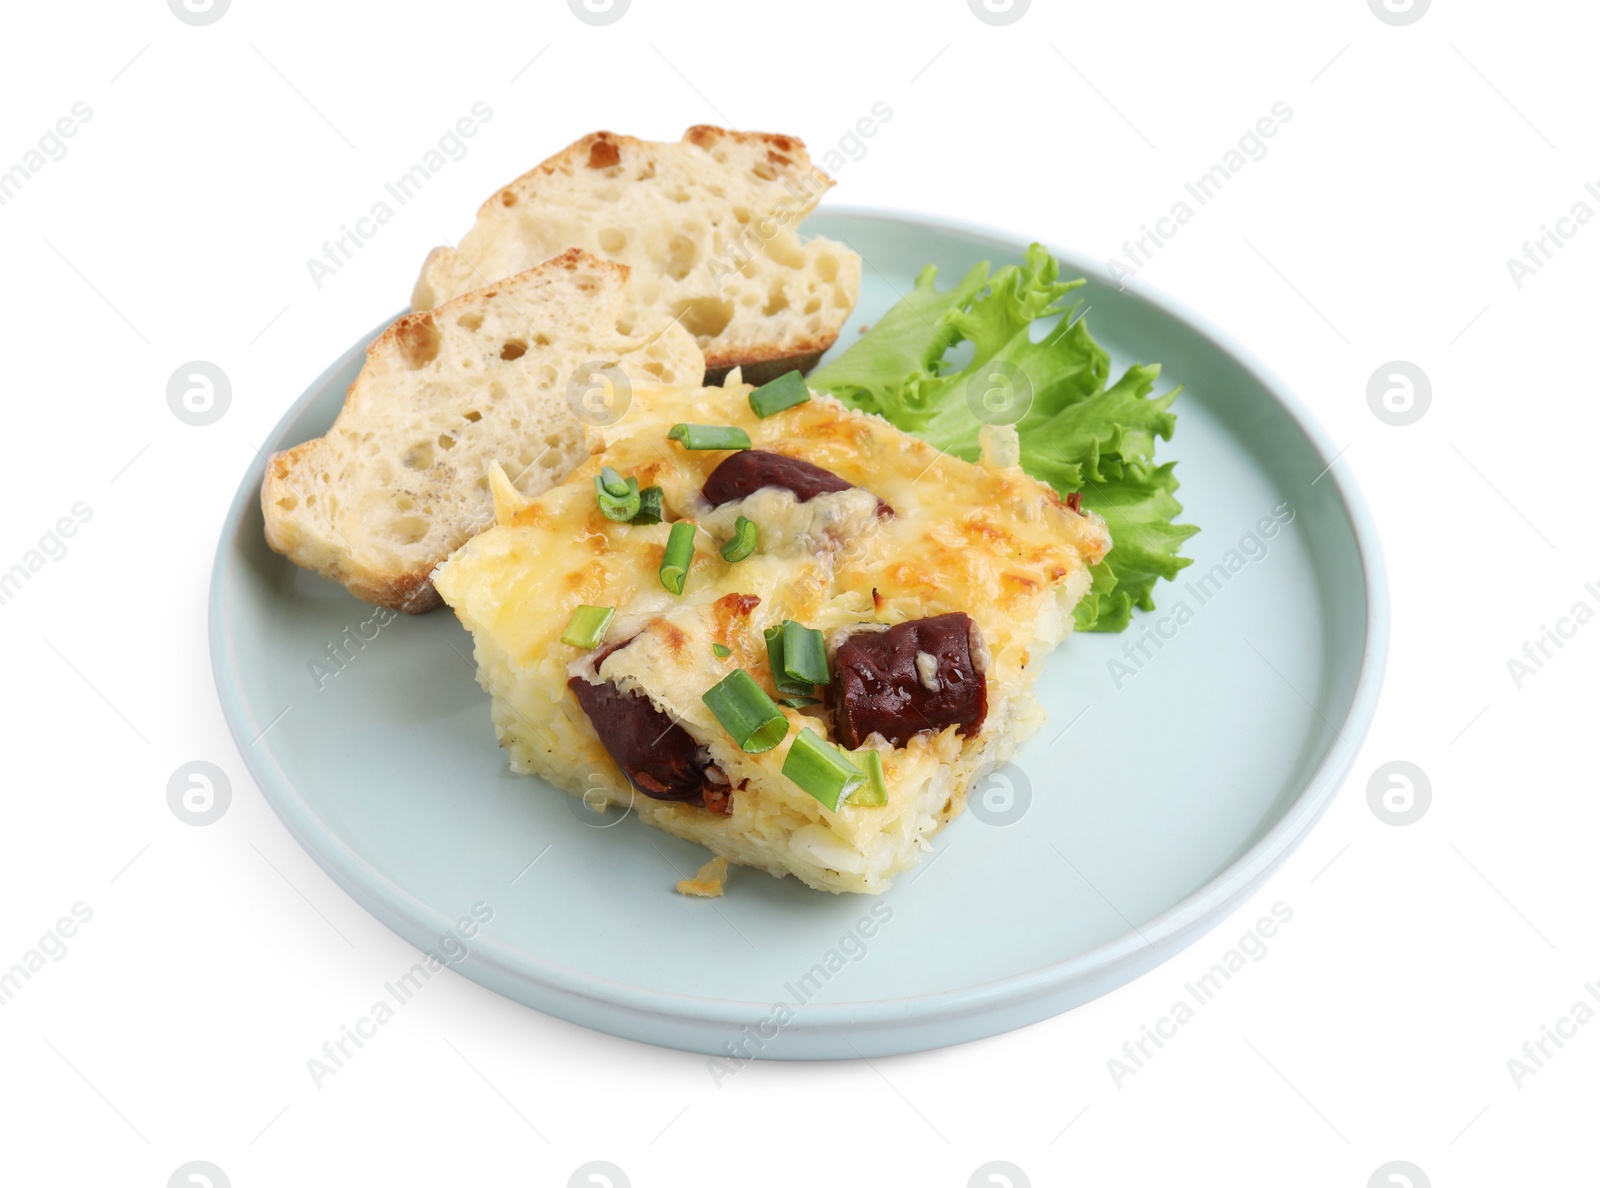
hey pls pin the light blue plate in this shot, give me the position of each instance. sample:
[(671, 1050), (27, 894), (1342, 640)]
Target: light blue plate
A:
[(1185, 778)]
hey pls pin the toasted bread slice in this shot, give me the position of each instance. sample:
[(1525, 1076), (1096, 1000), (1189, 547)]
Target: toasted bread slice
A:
[(709, 226), (401, 480)]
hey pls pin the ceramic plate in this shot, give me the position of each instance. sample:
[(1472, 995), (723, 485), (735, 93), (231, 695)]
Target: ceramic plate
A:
[(1181, 763)]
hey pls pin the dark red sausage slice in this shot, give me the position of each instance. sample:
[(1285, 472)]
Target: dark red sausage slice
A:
[(878, 687), (653, 751), (747, 471)]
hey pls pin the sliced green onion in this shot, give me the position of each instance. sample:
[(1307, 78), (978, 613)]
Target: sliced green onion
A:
[(680, 553), (821, 769), (613, 482), (620, 507), (798, 702), (587, 627), (874, 792), (649, 507), (710, 437), (721, 651), (746, 712), (743, 542), (781, 681), (805, 658), (784, 392)]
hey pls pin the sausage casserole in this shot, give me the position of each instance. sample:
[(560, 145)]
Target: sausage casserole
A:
[(822, 594)]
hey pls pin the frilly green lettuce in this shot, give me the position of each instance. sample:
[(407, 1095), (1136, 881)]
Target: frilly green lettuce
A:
[(1077, 434)]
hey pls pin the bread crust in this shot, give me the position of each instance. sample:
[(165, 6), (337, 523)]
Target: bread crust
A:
[(601, 150), (763, 370)]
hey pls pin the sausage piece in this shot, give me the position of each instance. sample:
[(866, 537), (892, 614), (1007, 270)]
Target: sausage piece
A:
[(653, 751), (747, 471), (915, 676)]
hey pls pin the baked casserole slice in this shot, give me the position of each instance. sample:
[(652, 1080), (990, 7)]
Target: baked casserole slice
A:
[(909, 598)]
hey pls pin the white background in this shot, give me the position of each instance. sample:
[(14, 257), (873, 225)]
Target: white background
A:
[(1377, 227)]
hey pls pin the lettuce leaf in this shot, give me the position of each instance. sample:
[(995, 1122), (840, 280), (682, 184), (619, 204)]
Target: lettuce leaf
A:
[(1077, 434)]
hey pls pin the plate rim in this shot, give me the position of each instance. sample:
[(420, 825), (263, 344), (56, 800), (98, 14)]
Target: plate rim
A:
[(678, 1020)]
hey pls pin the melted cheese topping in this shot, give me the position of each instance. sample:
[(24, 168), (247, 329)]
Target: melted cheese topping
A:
[(981, 538)]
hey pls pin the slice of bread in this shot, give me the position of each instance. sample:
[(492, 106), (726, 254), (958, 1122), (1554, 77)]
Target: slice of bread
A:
[(401, 480), (709, 226)]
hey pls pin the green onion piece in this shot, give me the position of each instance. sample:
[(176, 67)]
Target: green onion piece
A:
[(721, 651), (804, 656), (798, 702), (680, 552), (784, 392), (781, 681), (613, 482), (621, 508), (710, 437), (587, 627), (821, 769), (743, 542), (746, 713), (874, 791), (649, 507)]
